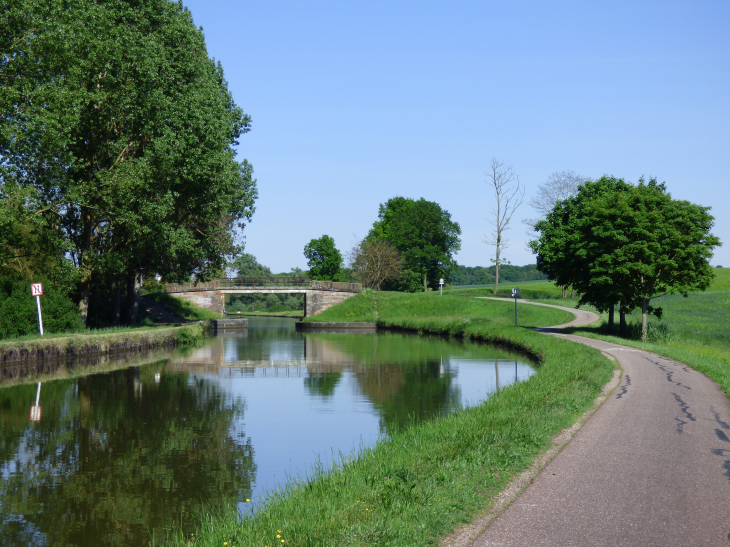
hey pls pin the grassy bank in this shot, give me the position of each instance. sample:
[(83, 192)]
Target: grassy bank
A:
[(101, 342), (431, 312), (692, 330), (415, 487)]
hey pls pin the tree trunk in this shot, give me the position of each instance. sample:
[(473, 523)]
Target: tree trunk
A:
[(86, 275), (134, 291), (425, 285), (644, 307), (117, 304), (572, 291), (84, 302), (496, 267), (622, 319), (610, 318), (565, 291)]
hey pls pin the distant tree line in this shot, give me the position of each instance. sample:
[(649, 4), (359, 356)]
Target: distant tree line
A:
[(480, 275)]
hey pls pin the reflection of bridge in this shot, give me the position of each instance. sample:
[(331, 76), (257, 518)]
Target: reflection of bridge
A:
[(318, 295)]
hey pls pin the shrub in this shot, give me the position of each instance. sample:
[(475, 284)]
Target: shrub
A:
[(19, 315)]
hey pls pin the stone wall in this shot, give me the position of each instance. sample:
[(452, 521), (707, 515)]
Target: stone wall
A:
[(210, 300), (318, 301)]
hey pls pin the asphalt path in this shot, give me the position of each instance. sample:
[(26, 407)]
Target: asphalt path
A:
[(650, 467)]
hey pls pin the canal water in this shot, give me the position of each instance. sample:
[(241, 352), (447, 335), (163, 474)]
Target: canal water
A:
[(119, 447)]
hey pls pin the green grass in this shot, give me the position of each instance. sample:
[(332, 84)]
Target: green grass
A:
[(183, 308), (359, 308), (546, 290), (85, 332), (98, 342), (693, 330), (431, 311), (415, 487)]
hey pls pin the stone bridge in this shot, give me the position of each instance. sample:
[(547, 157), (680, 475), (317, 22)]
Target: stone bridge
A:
[(318, 295)]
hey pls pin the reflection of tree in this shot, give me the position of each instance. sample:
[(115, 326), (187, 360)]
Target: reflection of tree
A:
[(407, 394), (322, 383), (117, 456)]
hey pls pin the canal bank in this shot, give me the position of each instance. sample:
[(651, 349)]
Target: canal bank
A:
[(415, 487), (54, 347)]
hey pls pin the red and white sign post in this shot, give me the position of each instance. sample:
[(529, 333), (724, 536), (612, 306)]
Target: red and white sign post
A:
[(36, 289)]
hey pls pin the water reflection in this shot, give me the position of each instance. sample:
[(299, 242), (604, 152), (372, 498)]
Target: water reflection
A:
[(125, 451), (116, 455)]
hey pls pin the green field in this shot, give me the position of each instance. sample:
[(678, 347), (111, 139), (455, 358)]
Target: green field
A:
[(414, 487), (429, 311)]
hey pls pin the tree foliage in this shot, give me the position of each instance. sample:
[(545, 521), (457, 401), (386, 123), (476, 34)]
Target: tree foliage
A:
[(246, 265), (115, 116), (618, 242), (323, 258), (19, 313), (480, 275), (425, 236)]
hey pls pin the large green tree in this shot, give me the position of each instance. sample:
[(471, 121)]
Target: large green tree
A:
[(323, 258), (560, 240), (246, 265), (114, 113), (633, 243), (425, 236)]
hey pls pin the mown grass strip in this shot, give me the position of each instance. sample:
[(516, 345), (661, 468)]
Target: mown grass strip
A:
[(413, 488), (15, 350)]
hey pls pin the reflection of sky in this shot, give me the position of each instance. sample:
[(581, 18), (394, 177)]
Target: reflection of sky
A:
[(478, 378), (291, 429)]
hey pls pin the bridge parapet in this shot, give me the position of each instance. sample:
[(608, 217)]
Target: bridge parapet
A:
[(263, 283), (242, 283), (319, 295), (335, 286)]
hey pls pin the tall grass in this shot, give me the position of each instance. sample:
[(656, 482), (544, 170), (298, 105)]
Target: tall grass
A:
[(413, 488)]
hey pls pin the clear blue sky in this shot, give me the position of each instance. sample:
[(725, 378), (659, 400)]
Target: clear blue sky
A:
[(354, 103)]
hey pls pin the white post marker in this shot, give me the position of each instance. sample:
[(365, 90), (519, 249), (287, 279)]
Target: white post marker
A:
[(516, 295), (441, 286), (36, 289)]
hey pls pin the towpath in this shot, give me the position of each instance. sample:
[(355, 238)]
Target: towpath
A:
[(651, 467)]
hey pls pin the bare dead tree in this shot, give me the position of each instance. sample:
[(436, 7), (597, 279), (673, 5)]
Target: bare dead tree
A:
[(559, 186), (509, 195), (375, 262)]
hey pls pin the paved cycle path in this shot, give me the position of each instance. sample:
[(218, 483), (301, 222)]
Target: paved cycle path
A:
[(651, 467)]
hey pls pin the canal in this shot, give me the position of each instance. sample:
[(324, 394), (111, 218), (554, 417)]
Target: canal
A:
[(119, 447)]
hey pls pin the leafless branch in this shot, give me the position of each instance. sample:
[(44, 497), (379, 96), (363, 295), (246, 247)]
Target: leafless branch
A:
[(509, 195)]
